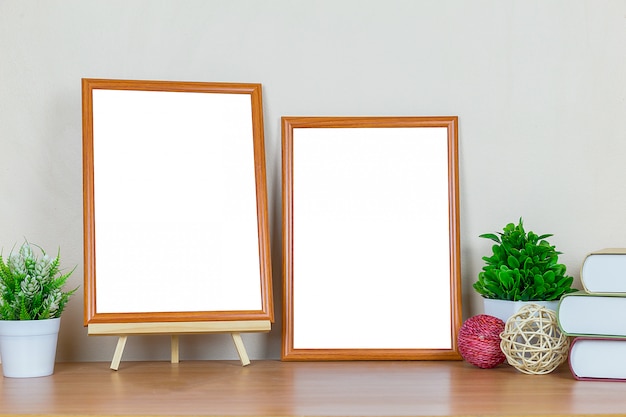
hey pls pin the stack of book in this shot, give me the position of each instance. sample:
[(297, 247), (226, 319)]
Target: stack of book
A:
[(596, 318)]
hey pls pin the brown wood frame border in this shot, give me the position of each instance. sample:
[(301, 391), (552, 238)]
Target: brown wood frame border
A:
[(290, 353), (91, 316)]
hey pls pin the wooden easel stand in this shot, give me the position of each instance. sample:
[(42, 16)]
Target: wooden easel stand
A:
[(123, 330)]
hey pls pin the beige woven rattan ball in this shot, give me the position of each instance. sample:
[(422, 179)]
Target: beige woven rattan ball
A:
[(532, 341)]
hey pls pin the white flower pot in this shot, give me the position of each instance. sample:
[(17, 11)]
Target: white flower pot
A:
[(28, 347), (503, 309)]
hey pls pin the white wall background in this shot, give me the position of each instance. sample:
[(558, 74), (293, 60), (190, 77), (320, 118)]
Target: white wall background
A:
[(539, 88)]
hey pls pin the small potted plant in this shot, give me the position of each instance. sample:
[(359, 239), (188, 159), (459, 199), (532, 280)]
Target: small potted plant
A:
[(523, 267), (32, 299)]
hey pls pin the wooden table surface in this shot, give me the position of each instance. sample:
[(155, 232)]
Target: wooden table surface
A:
[(275, 388)]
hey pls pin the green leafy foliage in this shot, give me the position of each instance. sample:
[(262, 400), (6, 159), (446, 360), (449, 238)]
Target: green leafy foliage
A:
[(31, 288), (522, 267)]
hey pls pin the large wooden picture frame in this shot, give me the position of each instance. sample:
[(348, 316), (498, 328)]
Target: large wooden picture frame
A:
[(371, 260), (175, 206)]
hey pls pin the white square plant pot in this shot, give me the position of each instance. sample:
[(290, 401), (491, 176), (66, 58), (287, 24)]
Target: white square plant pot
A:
[(503, 309)]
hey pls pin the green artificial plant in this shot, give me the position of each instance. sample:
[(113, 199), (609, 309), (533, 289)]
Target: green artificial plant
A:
[(31, 287), (522, 267)]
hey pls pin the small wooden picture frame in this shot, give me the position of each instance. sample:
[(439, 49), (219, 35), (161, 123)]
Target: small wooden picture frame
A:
[(175, 206), (371, 260)]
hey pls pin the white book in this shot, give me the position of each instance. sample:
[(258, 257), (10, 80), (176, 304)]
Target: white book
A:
[(584, 314), (604, 271), (598, 359)]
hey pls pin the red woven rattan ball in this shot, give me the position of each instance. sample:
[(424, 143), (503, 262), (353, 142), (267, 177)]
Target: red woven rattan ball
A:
[(479, 341)]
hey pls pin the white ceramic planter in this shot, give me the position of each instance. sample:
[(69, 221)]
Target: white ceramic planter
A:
[(503, 309), (28, 347)]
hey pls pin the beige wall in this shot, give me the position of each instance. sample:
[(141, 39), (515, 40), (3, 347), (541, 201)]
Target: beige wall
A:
[(539, 88)]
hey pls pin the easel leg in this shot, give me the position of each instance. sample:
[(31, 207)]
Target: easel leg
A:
[(117, 356), (174, 348), (241, 350)]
